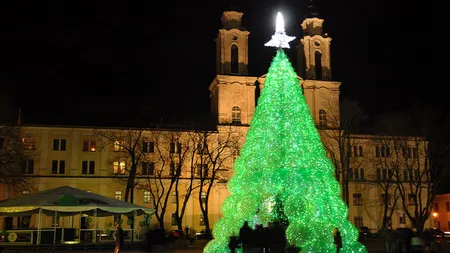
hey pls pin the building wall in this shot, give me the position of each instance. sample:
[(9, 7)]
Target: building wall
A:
[(441, 207)]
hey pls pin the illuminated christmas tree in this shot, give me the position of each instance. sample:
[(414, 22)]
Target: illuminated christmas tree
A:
[(283, 171)]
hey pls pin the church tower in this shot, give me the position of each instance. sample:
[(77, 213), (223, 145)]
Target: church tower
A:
[(232, 92), (232, 45), (314, 67)]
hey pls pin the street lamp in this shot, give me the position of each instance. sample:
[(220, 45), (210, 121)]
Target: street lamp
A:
[(436, 223)]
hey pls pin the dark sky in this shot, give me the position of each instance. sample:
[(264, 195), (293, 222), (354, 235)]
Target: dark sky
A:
[(88, 62)]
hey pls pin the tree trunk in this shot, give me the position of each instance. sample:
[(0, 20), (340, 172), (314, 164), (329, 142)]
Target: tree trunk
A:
[(161, 222), (206, 219)]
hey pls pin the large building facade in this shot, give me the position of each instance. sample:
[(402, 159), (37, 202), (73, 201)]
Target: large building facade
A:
[(90, 159)]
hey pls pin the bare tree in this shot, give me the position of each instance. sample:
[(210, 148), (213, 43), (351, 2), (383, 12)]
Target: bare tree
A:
[(422, 173), (16, 159), (166, 165), (215, 156), (128, 145), (337, 124), (389, 165)]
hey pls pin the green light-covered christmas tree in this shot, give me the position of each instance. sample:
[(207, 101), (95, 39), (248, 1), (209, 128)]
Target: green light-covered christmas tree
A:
[(283, 166)]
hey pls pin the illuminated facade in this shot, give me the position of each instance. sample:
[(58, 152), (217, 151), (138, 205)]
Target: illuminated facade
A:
[(73, 156), (441, 212)]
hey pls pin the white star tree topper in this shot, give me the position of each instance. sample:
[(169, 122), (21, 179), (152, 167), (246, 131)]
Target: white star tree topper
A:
[(279, 39)]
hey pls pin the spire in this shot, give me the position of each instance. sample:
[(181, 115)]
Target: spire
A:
[(312, 10)]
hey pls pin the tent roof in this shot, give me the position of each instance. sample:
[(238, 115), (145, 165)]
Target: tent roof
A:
[(69, 201)]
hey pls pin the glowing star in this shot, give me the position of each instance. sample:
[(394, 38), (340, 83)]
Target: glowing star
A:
[(279, 39)]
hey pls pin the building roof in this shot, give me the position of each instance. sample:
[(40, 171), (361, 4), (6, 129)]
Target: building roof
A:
[(69, 201)]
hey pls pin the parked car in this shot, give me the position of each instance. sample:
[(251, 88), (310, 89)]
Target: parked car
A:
[(364, 232), (203, 235), (436, 233)]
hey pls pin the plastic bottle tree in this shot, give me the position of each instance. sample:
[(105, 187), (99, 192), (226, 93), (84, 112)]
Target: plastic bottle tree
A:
[(283, 167)]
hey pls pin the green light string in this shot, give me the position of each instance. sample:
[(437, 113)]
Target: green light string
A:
[(283, 173)]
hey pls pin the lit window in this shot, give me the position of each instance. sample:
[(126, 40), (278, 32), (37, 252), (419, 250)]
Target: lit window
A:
[(118, 195), (203, 197), (29, 143), (89, 145), (236, 115), (147, 197), (119, 167), (119, 146)]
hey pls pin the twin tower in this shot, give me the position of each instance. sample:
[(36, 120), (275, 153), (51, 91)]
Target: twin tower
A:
[(233, 92)]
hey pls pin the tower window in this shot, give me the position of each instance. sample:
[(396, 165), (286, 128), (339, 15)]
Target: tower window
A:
[(318, 65), (322, 118), (234, 59), (236, 115)]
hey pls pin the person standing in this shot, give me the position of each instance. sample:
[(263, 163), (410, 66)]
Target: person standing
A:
[(119, 238), (390, 238), (337, 239), (245, 236)]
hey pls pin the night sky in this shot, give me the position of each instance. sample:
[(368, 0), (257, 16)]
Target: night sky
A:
[(112, 62)]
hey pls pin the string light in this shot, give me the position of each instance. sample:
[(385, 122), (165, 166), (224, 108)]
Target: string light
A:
[(283, 162)]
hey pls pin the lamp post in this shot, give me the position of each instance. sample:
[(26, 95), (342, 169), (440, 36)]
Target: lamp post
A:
[(436, 222)]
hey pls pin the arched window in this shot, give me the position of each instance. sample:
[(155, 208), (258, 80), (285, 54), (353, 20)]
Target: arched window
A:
[(318, 65), (322, 118), (236, 115), (234, 59)]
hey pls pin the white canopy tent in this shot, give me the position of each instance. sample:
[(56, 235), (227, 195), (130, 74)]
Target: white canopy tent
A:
[(68, 201)]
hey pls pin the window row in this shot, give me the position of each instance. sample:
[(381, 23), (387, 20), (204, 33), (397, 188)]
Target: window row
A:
[(384, 174), (406, 174), (358, 199), (91, 145), (436, 207), (119, 168), (147, 197)]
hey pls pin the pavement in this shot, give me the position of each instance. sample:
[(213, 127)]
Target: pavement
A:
[(373, 245)]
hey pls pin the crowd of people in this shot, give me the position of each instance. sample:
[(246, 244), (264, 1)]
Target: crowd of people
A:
[(270, 239), (406, 240)]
